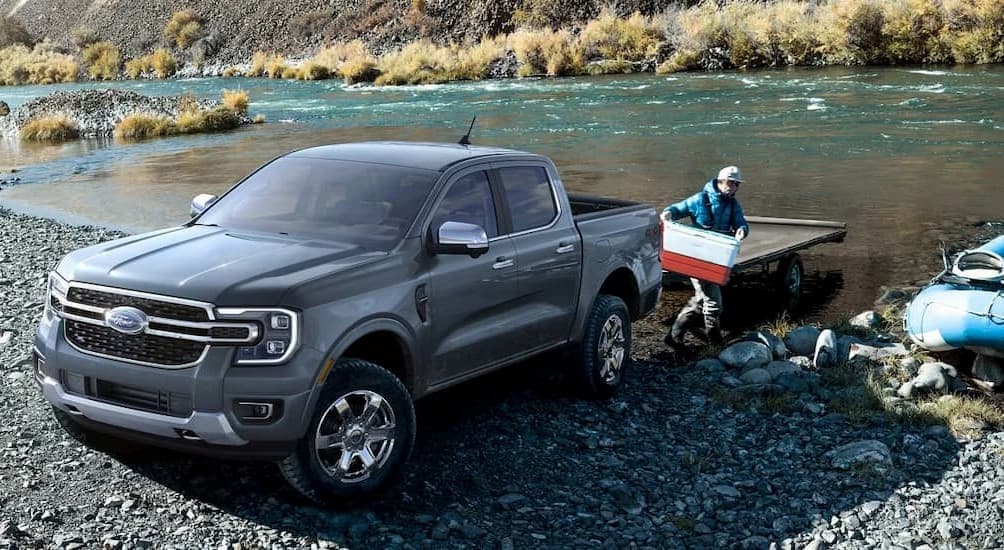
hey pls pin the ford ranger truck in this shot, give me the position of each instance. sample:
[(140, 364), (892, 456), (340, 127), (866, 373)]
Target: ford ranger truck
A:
[(298, 316)]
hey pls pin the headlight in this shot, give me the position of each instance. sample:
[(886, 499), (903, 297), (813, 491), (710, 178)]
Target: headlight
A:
[(55, 295), (280, 335)]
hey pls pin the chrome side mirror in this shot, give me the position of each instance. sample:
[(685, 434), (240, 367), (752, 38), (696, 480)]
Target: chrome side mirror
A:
[(460, 238), (200, 203)]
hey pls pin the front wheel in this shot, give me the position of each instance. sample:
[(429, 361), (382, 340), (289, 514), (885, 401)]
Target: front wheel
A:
[(605, 351), (360, 435)]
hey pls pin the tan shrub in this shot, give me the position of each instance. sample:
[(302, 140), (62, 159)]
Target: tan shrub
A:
[(611, 37), (184, 28), (309, 70), (141, 126), (350, 60), (163, 63), (50, 128), (554, 53), (39, 65), (236, 101), (102, 60), (134, 68)]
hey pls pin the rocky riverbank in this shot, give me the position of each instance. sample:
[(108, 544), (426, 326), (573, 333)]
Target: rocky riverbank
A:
[(740, 451)]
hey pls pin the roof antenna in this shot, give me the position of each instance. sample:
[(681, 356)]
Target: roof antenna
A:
[(466, 139)]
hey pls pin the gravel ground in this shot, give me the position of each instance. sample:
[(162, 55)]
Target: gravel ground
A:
[(509, 461)]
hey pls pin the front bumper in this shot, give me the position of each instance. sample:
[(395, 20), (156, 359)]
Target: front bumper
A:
[(140, 402)]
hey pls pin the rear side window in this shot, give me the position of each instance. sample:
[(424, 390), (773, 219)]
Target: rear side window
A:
[(528, 192), (469, 200)]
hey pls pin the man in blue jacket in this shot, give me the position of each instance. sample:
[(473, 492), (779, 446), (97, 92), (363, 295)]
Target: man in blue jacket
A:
[(715, 208)]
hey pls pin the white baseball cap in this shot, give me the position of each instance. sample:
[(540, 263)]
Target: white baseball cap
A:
[(730, 173)]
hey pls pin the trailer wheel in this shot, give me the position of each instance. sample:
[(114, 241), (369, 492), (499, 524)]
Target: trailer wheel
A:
[(790, 274)]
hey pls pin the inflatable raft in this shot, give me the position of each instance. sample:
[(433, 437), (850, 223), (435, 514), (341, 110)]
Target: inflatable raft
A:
[(964, 305)]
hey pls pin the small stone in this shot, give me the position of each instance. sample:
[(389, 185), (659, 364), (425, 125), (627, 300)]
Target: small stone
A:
[(727, 491), (508, 501), (746, 355), (870, 450)]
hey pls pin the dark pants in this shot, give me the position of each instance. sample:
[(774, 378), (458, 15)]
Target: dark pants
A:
[(706, 306)]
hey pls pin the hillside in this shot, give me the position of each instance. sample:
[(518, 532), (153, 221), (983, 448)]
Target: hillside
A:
[(235, 29)]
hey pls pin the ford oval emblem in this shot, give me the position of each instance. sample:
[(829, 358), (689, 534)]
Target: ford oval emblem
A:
[(126, 319)]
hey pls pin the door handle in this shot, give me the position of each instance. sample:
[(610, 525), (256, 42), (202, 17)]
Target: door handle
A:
[(565, 247), (503, 263)]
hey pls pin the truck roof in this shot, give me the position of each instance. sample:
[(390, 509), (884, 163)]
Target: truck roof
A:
[(423, 155)]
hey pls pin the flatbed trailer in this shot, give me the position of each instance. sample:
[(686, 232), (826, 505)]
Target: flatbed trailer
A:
[(776, 242)]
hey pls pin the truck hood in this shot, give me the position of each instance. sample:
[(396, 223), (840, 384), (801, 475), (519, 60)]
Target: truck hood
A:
[(211, 264)]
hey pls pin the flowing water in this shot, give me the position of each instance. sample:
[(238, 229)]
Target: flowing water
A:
[(905, 156)]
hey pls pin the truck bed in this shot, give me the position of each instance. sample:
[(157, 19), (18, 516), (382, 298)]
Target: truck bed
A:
[(771, 239), (585, 207)]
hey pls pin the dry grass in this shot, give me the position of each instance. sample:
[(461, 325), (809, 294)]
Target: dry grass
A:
[(142, 126), (420, 62), (52, 129), (611, 37), (231, 72), (184, 28), (236, 101), (554, 53), (191, 119), (39, 65), (102, 60), (352, 61), (161, 62)]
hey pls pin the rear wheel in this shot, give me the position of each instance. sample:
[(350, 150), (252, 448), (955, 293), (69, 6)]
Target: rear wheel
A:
[(605, 351), (360, 435), (790, 274)]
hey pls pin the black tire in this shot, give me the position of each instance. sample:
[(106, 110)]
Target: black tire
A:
[(788, 282), (605, 351), (353, 383)]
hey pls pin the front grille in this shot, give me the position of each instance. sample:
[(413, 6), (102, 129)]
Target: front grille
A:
[(230, 333), (144, 348), (154, 308)]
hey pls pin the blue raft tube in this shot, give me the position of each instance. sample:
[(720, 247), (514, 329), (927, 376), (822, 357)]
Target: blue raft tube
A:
[(964, 305)]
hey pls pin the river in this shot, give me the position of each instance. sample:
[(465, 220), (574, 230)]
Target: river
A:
[(905, 156)]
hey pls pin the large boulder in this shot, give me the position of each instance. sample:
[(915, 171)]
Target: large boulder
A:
[(746, 355), (776, 346), (802, 340), (875, 354), (4, 109), (937, 377), (847, 456)]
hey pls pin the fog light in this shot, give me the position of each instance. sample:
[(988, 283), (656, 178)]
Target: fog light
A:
[(37, 366), (275, 347), (257, 411)]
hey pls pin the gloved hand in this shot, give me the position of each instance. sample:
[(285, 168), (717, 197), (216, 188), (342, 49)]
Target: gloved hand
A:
[(741, 233)]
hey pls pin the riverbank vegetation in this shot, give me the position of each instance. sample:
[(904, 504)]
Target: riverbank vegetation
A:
[(732, 34), (52, 129), (192, 118)]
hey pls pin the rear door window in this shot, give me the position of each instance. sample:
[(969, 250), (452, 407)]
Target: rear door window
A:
[(530, 196)]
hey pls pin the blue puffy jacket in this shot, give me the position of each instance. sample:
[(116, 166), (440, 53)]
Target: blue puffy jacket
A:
[(710, 209)]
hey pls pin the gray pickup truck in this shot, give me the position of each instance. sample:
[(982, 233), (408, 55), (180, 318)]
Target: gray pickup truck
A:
[(297, 317)]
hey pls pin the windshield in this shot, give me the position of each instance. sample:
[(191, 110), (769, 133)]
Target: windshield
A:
[(357, 203)]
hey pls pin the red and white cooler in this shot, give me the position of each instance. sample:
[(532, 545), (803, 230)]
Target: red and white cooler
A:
[(698, 253)]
